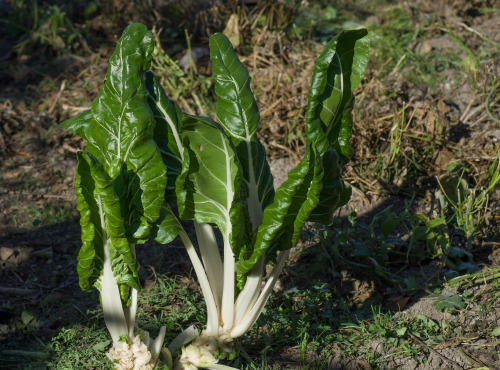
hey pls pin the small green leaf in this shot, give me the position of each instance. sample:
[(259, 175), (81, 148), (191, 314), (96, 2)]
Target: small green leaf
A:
[(435, 222), (457, 252), (27, 317), (453, 302), (401, 331), (496, 332), (420, 233), (101, 346)]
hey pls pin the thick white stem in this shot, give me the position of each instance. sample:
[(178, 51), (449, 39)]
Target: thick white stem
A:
[(211, 258), (229, 263), (185, 337), (130, 313), (114, 316), (249, 319), (131, 310), (212, 317), (247, 297), (155, 346), (228, 293)]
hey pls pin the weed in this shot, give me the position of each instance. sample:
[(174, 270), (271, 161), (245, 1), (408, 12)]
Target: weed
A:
[(80, 347), (466, 207), (45, 27), (186, 88)]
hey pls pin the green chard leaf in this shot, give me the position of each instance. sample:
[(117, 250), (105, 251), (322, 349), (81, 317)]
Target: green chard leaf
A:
[(209, 185), (99, 204), (237, 112), (285, 217), (91, 255), (334, 193), (168, 119), (78, 124), (338, 71), (121, 130)]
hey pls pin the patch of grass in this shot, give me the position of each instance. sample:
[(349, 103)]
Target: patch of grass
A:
[(164, 302), (42, 27), (466, 207), (80, 347), (49, 215)]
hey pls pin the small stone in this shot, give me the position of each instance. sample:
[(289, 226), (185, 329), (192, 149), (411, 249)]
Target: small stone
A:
[(5, 253)]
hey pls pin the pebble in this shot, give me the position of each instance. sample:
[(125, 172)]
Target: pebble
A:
[(5, 253)]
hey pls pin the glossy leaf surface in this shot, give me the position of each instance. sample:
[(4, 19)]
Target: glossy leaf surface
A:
[(122, 125), (168, 119), (338, 71), (285, 217), (79, 124), (99, 205), (237, 112), (209, 185)]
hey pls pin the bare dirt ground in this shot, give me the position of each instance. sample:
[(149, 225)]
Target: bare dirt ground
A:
[(39, 229)]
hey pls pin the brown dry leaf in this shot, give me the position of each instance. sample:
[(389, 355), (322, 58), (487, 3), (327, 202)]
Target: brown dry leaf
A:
[(53, 299), (448, 343), (444, 158), (232, 30), (11, 175), (396, 303)]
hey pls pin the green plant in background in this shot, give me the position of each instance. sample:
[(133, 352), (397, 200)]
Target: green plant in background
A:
[(48, 27), (463, 206), (180, 85), (143, 152)]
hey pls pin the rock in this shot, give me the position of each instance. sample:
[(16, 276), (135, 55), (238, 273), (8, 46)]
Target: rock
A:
[(5, 253), (196, 54)]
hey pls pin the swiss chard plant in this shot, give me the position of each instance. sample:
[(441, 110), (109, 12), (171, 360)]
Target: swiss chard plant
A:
[(143, 154)]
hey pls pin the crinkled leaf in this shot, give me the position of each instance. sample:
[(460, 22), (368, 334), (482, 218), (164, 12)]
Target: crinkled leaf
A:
[(337, 72), (78, 124), (334, 193), (122, 125), (285, 217), (237, 112), (96, 198), (91, 255)]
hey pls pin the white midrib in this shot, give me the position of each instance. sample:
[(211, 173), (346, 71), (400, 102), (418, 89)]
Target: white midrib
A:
[(172, 128), (229, 262), (254, 203)]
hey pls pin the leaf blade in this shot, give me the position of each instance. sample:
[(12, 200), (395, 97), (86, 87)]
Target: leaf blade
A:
[(285, 217), (122, 125), (238, 114)]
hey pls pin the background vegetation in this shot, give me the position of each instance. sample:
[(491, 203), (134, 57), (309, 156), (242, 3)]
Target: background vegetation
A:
[(408, 275)]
